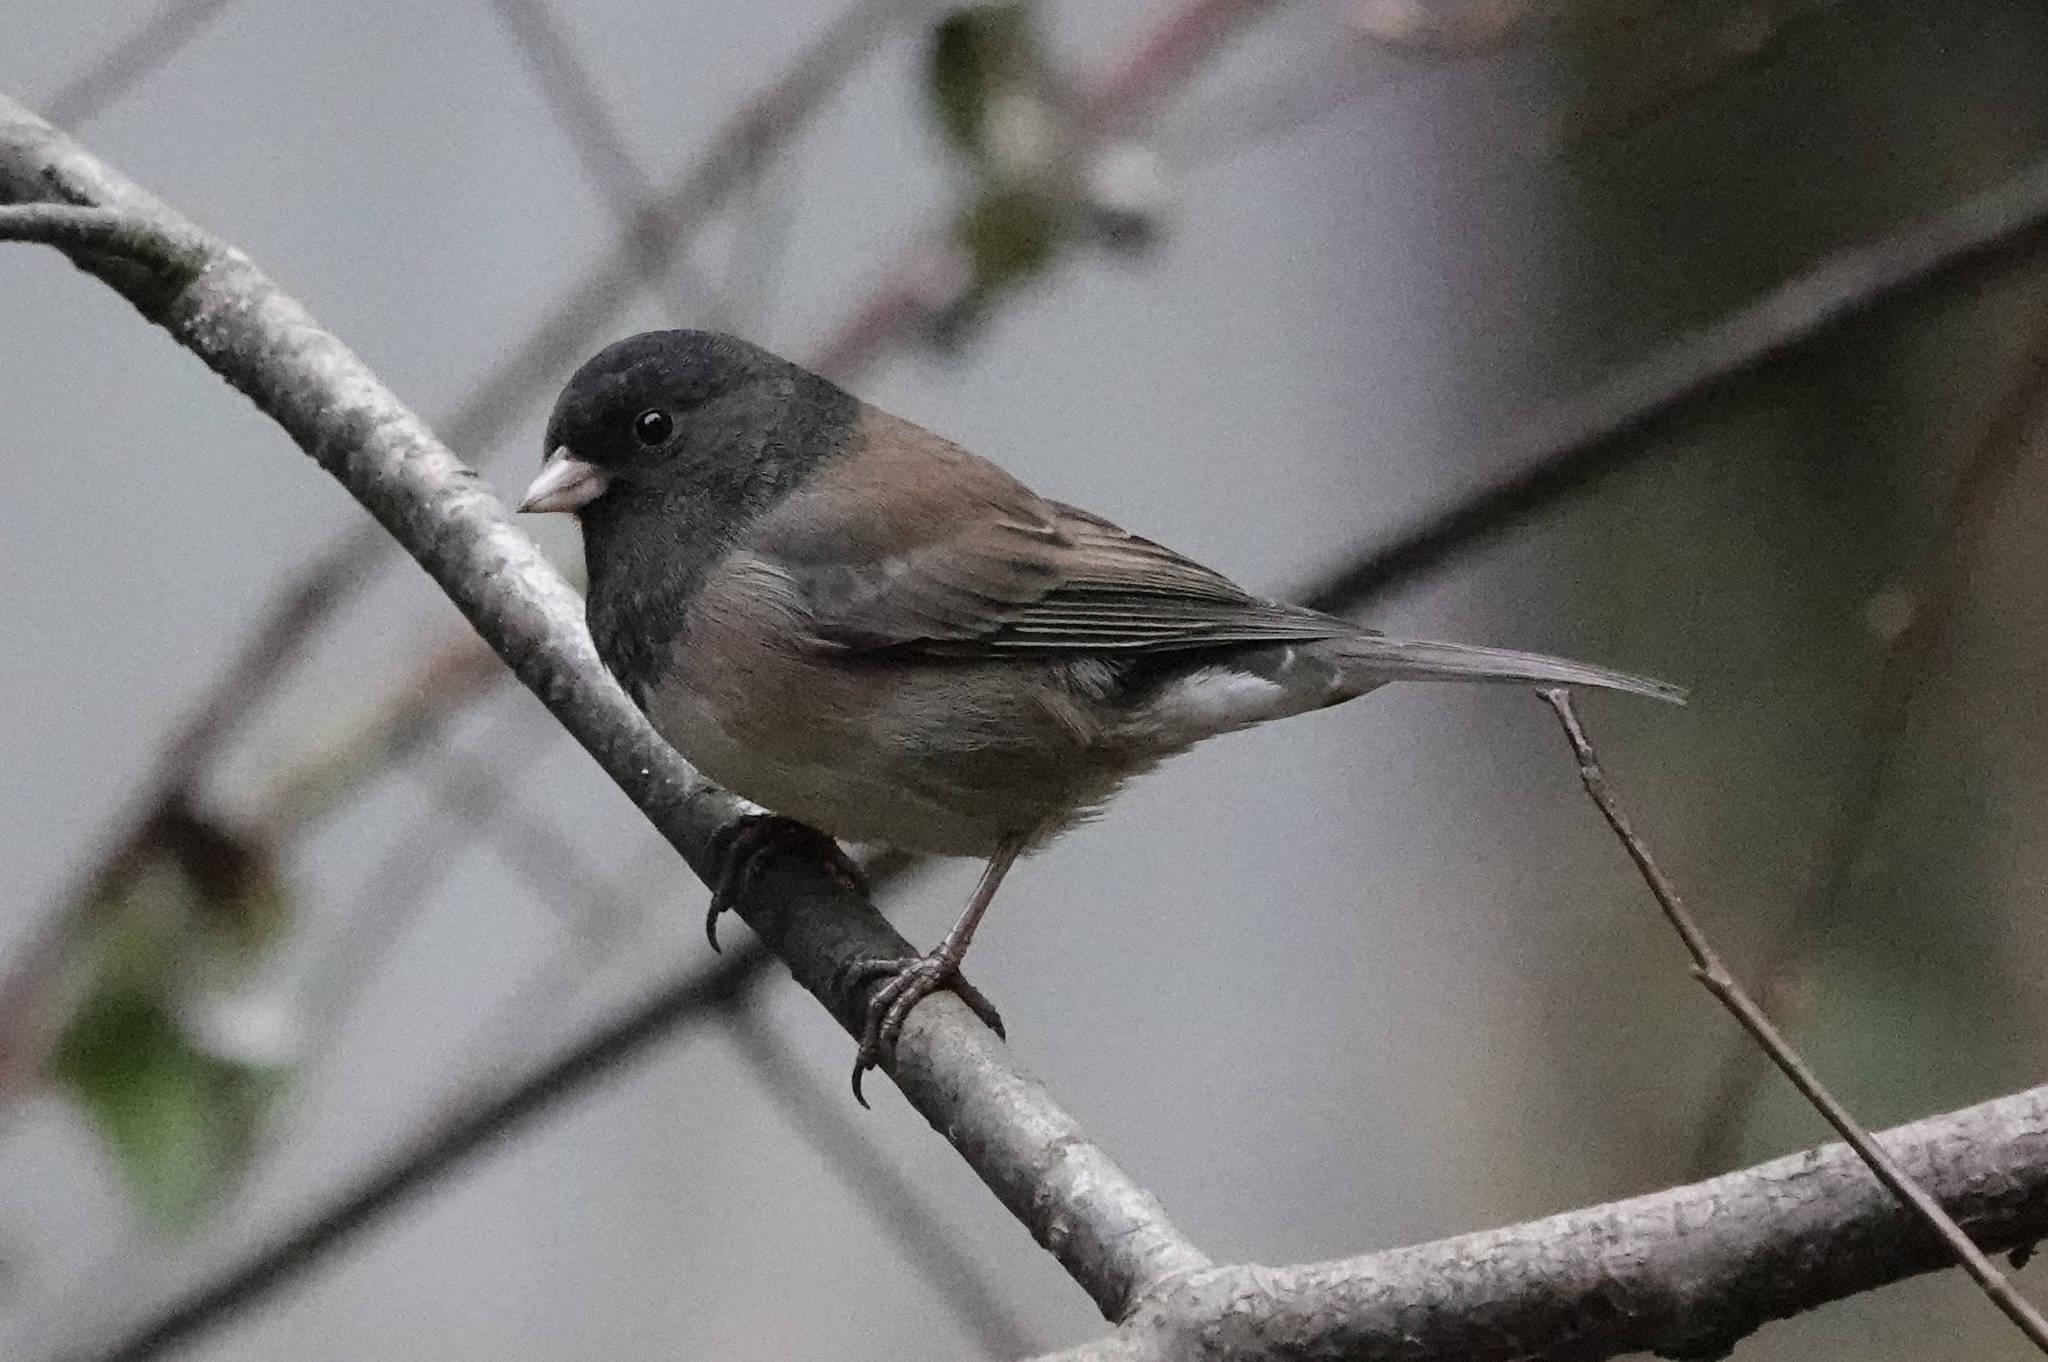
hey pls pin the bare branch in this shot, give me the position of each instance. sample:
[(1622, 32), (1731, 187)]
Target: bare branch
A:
[(76, 229), (1110, 1234), (1711, 972), (599, 142), (1151, 68), (933, 273), (1684, 1273), (452, 671), (571, 93), (383, 906), (1931, 599), (130, 59), (326, 582), (693, 998), (1565, 448), (760, 125)]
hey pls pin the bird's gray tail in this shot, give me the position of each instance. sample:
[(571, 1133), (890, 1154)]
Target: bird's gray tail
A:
[(1258, 684), (1368, 660)]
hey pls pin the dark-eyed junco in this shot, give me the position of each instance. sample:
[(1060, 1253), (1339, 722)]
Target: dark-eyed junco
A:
[(857, 624)]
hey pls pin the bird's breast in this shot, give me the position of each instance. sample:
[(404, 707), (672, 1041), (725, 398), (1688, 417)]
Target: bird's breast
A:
[(931, 755)]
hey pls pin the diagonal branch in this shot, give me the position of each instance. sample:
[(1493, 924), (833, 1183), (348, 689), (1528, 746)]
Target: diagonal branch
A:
[(326, 582), (1568, 446), (932, 273), (116, 71), (694, 998), (1715, 977), (1110, 1234), (572, 96), (1933, 596), (600, 144)]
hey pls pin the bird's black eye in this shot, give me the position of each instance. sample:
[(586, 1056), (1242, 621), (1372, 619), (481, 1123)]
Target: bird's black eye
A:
[(653, 427)]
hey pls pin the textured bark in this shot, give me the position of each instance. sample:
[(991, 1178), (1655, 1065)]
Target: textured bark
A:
[(1684, 1273)]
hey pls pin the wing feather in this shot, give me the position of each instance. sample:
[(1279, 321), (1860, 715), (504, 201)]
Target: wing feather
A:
[(964, 560)]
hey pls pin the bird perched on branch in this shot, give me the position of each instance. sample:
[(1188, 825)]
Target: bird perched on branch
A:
[(857, 624)]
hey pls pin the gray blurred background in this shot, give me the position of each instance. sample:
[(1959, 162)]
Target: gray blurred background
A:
[(1372, 976)]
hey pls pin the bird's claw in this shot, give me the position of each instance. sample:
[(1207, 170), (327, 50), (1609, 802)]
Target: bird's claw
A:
[(742, 848), (906, 983)]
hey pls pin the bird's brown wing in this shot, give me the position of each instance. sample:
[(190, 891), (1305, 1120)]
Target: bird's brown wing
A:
[(969, 562)]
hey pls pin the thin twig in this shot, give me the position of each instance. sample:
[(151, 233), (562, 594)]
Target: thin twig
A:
[(1714, 975), (130, 60), (1303, 95), (1904, 668), (379, 912), (1565, 448), (533, 848), (526, 1017), (932, 272), (571, 93), (599, 142), (451, 673), (1160, 61)]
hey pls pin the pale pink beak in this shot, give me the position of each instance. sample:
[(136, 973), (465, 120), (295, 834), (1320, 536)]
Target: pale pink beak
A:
[(566, 483)]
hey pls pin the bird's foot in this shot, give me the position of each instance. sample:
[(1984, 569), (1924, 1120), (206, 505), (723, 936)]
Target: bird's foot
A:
[(743, 849), (906, 983)]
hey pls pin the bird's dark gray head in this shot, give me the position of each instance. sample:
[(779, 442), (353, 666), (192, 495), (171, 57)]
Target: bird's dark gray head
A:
[(665, 446), (669, 416)]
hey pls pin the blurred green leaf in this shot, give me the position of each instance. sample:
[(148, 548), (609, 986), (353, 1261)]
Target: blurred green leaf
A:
[(180, 1122), (975, 52), (1010, 235), (152, 1054)]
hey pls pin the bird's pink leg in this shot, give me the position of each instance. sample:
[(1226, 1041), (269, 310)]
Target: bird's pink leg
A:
[(911, 981)]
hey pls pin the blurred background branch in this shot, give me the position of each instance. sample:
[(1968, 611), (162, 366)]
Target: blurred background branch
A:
[(128, 61)]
